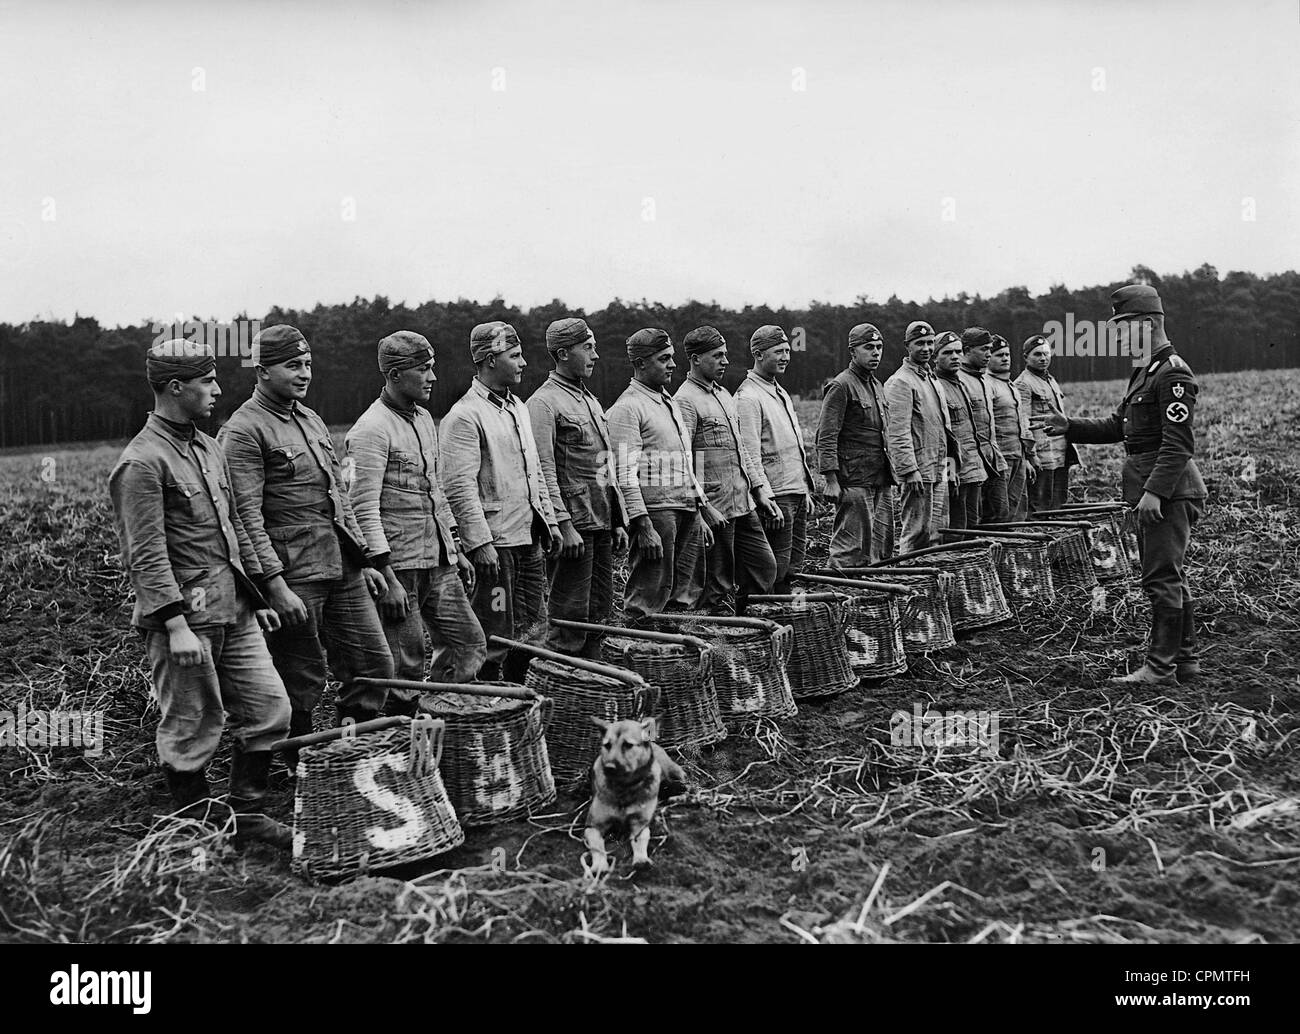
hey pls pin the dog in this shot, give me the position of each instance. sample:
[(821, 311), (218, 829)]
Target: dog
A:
[(627, 777)]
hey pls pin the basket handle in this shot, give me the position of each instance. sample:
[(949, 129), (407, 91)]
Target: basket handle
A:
[(807, 597), (628, 678), (854, 572), (782, 644), (426, 744), (726, 622), (1032, 536), (632, 633), (349, 728), (1030, 524), (856, 583), (928, 550), (478, 689)]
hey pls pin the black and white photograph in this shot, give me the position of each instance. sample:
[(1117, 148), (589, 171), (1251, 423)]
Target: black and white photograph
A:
[(651, 473)]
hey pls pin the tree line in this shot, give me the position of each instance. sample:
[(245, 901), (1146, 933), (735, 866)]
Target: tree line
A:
[(78, 381)]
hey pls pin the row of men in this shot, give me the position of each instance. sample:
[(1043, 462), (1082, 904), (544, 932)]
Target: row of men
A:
[(468, 529)]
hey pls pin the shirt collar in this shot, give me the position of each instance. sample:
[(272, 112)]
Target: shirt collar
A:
[(171, 436), (917, 368), (710, 386), (658, 395), (501, 402), (865, 378), (577, 387), (772, 387), (275, 406), (404, 413)]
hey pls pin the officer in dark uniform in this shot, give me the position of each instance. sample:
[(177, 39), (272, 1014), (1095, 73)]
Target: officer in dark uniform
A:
[(1160, 478)]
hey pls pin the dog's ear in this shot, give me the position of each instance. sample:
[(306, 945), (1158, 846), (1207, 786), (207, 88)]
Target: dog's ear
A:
[(600, 723), (651, 729)]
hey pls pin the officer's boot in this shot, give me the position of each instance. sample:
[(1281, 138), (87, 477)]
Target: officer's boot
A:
[(1166, 634), (249, 772), (1188, 660), (192, 798)]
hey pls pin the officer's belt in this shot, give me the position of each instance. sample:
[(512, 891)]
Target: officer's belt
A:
[(1144, 452)]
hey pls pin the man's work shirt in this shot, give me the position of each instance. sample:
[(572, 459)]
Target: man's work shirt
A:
[(184, 546), (728, 471), (289, 485), (851, 431), (771, 430), (1010, 419), (491, 471), (918, 431), (1041, 394), (981, 400), (396, 487), (652, 452), (1154, 421), (573, 443), (961, 418)]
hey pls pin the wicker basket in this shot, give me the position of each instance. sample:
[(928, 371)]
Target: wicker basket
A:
[(581, 690), (975, 597), (369, 796), (750, 656), (1106, 538), (1024, 564), (494, 759), (819, 659), (875, 634), (1126, 521), (678, 668), (927, 621), (1069, 550)]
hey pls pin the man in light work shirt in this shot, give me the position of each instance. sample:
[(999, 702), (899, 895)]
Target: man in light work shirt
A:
[(399, 502), (1014, 438), (853, 457), (493, 480), (653, 459), (920, 442), (964, 491), (197, 604), (321, 577), (740, 562), (573, 443), (771, 430), (977, 345)]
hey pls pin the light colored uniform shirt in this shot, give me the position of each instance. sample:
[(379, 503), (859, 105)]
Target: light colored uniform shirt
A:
[(771, 428), (652, 452), (728, 471), (1043, 395)]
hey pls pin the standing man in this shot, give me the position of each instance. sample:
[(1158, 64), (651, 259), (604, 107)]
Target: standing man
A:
[(1014, 438), (771, 431), (853, 458), (653, 459), (964, 492), (977, 348), (320, 577), (919, 440), (493, 479), (1040, 394), (192, 567), (577, 460), (740, 562), (399, 502), (1160, 478)]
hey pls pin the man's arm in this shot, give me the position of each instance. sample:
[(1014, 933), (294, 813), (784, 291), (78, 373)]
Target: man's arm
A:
[(751, 459), (367, 445), (1096, 431), (1177, 443), (541, 414), (898, 427), (461, 458), (247, 554), (247, 478), (136, 490), (625, 442)]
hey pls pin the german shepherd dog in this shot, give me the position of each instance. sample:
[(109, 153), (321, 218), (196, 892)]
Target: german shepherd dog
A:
[(627, 777)]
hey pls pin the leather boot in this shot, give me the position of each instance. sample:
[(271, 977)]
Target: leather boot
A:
[(1166, 634), (409, 707), (249, 772), (1188, 660), (192, 798), (357, 714), (300, 724)]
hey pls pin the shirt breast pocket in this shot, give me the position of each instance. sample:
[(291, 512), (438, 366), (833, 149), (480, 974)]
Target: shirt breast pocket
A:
[(286, 462), (1143, 413), (573, 432), (714, 433), (410, 475), (182, 497)]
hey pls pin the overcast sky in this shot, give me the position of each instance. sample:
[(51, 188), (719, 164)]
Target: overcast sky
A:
[(205, 158)]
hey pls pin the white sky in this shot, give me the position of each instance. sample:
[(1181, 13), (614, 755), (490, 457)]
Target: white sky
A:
[(167, 199)]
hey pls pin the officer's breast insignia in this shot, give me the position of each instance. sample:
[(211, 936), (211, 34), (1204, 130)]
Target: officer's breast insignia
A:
[(1176, 412), (1178, 391)]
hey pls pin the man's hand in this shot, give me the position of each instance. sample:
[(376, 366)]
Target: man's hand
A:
[(466, 571), (950, 471), (913, 478), (553, 541), (645, 540), (394, 604), (1054, 424), (185, 647), (571, 544), (773, 516), (486, 562), (375, 584), (1148, 509), (831, 493), (854, 494), (1031, 472), (620, 540), (712, 517), (267, 620), (286, 603)]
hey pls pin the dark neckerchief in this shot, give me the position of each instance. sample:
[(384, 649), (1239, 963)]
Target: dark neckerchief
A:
[(183, 431)]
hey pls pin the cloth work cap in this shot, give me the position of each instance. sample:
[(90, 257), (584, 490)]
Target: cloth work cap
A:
[(491, 339), (865, 334), (403, 350), (766, 337), (974, 337), (918, 330), (566, 333), (1135, 300), (278, 344), (645, 343), (179, 359), (703, 339)]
